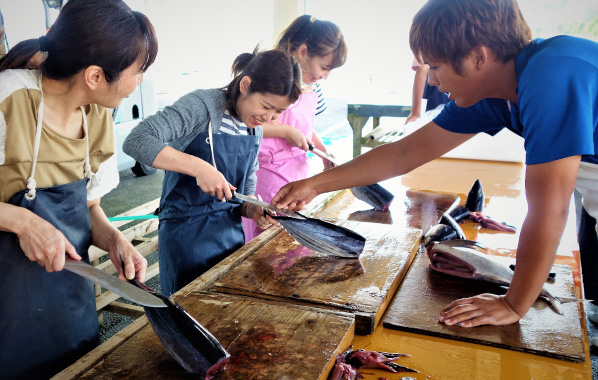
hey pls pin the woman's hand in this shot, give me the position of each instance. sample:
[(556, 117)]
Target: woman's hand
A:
[(212, 182), (328, 164), (261, 218), (122, 251), (44, 244), (294, 137), (484, 309)]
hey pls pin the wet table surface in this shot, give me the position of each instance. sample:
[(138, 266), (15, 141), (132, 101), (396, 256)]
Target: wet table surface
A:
[(448, 359)]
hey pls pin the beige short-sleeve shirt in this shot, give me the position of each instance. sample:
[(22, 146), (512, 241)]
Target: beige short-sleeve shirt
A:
[(61, 159)]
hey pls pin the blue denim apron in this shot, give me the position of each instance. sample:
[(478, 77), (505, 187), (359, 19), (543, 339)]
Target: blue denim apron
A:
[(197, 230), (47, 320)]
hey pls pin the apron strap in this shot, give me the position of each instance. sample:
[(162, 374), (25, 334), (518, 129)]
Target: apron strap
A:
[(211, 145), (31, 184)]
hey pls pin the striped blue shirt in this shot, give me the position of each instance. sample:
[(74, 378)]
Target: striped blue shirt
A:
[(233, 126)]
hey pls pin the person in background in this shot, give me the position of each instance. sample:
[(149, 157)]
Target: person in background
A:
[(57, 159), (422, 90), (498, 77), (319, 47), (207, 142)]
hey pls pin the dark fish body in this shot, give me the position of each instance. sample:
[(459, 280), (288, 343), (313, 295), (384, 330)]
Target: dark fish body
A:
[(468, 259), (374, 195), (449, 221), (475, 198), (323, 237), (459, 213), (189, 343), (440, 232)]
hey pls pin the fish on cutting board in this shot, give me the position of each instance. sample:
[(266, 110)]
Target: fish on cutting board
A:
[(189, 343), (323, 237), (469, 259)]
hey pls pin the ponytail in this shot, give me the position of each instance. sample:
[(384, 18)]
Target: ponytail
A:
[(106, 33)]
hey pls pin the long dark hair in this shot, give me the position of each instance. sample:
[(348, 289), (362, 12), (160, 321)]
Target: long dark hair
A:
[(271, 72), (106, 33), (321, 38)]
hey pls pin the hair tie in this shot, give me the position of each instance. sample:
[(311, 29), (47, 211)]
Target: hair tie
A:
[(42, 44), (312, 19)]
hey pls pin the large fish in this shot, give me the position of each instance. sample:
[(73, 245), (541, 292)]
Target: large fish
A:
[(374, 195), (323, 237), (189, 343), (469, 259)]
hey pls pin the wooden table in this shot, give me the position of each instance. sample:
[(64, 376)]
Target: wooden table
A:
[(438, 358), (435, 358)]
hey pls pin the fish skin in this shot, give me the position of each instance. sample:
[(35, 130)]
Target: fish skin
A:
[(449, 221), (374, 195), (459, 213), (324, 237), (475, 197), (469, 259), (189, 343), (440, 232)]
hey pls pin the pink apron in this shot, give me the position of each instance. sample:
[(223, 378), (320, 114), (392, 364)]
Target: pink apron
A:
[(279, 162)]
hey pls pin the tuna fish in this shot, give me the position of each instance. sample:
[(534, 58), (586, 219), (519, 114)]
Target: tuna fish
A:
[(323, 237), (469, 259), (374, 195), (189, 343)]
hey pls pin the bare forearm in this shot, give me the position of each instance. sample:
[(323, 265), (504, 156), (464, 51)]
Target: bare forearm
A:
[(275, 129), (13, 218), (103, 233), (538, 243)]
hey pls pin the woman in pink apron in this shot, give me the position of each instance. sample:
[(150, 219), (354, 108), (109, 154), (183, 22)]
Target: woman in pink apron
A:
[(319, 47)]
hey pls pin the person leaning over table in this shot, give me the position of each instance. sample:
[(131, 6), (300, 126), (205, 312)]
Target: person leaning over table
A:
[(56, 161), (498, 77), (213, 140)]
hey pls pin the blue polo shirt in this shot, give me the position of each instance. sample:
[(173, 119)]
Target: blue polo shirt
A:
[(557, 107)]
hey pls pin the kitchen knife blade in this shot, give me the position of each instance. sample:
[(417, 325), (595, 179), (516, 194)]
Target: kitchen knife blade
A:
[(112, 283), (267, 206), (324, 155)]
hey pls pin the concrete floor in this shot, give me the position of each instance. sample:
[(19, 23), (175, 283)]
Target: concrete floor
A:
[(336, 134)]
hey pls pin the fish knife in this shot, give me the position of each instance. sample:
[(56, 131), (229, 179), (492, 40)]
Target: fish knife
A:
[(324, 155), (268, 206), (112, 283)]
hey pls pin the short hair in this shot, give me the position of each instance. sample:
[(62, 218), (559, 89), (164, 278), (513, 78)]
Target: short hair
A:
[(447, 30)]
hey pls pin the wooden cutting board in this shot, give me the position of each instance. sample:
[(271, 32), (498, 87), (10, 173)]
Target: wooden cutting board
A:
[(541, 331), (265, 341), (283, 269), (410, 208)]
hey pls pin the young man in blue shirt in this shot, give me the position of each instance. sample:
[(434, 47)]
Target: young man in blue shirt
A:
[(498, 77)]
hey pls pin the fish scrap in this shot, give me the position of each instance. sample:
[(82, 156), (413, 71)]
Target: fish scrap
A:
[(323, 237), (374, 195), (474, 205), (189, 343), (348, 362), (469, 259)]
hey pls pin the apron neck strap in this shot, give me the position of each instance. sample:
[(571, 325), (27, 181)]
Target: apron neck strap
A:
[(211, 145), (31, 184)]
